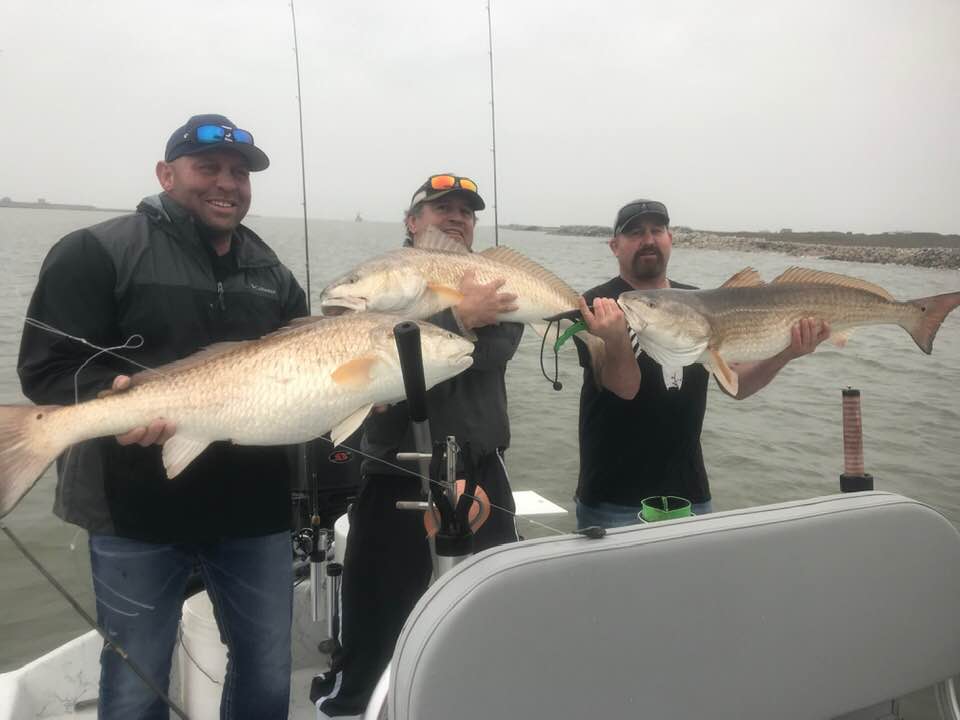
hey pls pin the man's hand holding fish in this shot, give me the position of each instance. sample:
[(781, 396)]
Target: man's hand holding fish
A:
[(156, 433), (482, 303), (619, 372)]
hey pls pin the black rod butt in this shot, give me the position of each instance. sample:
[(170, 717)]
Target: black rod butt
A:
[(407, 335)]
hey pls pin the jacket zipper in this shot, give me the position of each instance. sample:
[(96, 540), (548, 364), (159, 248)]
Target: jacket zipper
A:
[(223, 305)]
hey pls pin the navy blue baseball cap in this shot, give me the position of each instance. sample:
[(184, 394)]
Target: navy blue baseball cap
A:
[(204, 133), (637, 208)]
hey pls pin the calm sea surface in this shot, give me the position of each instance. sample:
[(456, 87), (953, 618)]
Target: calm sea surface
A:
[(782, 444)]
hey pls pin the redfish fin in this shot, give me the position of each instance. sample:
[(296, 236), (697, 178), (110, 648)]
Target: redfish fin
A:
[(725, 375), (448, 295), (356, 372), (512, 258), (793, 275), (840, 339), (346, 427), (934, 309), (23, 458), (748, 277), (433, 238), (180, 451), (597, 349)]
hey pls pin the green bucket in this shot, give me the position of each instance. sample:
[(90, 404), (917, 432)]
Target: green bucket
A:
[(664, 507)]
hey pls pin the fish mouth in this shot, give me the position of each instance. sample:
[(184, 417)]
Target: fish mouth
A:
[(333, 307), (462, 362), (636, 323), (462, 355)]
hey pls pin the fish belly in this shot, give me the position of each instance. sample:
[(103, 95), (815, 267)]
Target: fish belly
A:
[(754, 342)]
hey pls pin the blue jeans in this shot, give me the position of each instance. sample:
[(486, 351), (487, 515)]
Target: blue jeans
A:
[(139, 589), (611, 515)]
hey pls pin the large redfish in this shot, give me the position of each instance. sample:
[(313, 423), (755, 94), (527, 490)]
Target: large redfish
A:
[(422, 280), (746, 319), (317, 375)]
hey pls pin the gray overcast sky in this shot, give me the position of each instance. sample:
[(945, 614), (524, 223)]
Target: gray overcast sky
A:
[(749, 114)]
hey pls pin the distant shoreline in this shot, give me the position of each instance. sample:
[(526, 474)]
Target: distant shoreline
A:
[(44, 205), (930, 250)]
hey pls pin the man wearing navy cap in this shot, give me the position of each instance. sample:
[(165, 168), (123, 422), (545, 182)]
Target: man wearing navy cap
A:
[(179, 274), (640, 430)]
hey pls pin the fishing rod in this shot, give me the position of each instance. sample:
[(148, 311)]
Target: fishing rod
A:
[(303, 164), (493, 130), (319, 538)]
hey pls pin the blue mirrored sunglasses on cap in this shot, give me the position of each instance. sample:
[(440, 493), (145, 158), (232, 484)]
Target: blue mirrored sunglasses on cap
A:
[(219, 133)]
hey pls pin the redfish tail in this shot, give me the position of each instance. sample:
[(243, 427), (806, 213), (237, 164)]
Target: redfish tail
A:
[(597, 350), (25, 451), (933, 311)]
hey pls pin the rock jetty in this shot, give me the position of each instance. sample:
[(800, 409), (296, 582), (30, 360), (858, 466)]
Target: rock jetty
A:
[(931, 257), (919, 249)]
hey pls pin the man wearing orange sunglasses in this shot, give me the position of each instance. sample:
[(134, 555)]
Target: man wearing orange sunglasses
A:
[(388, 564)]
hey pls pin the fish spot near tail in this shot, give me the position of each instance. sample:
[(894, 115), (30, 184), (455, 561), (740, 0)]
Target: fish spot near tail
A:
[(933, 311)]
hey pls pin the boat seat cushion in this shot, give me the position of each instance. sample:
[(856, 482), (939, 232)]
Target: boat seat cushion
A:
[(809, 609)]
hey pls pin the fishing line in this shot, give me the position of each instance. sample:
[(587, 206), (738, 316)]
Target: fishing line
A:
[(555, 380), (40, 325), (126, 346), (192, 659)]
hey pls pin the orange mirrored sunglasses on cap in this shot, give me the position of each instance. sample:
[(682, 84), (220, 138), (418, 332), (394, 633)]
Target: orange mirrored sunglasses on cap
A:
[(448, 182)]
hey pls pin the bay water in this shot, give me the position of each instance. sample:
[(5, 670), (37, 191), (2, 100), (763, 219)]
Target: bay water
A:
[(782, 444)]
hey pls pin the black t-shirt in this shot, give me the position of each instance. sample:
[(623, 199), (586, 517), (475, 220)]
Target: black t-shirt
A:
[(650, 445)]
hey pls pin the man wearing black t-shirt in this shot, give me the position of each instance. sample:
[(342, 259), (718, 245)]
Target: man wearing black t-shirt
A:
[(640, 430)]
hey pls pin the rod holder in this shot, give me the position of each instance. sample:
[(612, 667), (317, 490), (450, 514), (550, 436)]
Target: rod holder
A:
[(853, 479)]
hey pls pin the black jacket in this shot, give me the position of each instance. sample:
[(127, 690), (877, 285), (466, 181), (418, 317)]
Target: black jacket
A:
[(149, 275)]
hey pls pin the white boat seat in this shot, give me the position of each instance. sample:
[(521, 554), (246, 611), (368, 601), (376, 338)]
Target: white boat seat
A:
[(810, 609)]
